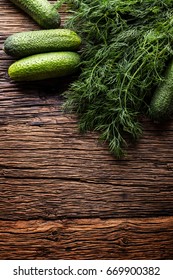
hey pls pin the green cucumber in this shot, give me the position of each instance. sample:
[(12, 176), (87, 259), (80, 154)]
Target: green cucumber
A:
[(44, 13), (44, 66), (161, 106), (33, 42)]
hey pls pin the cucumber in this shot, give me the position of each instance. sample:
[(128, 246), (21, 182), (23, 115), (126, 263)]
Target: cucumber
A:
[(34, 42), (44, 66), (161, 106), (44, 13)]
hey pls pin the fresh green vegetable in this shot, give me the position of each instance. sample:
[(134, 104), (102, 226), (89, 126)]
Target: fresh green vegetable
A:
[(161, 106), (41, 11), (44, 66), (27, 43), (126, 47)]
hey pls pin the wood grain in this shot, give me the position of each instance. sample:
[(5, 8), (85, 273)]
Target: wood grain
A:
[(62, 194), (87, 239)]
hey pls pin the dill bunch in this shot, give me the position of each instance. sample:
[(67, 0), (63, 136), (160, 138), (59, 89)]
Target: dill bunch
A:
[(126, 47)]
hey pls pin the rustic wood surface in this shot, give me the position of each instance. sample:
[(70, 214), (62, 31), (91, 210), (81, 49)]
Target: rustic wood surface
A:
[(62, 194)]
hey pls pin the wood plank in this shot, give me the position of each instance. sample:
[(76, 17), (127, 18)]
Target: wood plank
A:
[(50, 170), (52, 198), (87, 239)]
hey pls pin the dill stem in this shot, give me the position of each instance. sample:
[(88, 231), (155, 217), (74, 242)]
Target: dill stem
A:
[(132, 78)]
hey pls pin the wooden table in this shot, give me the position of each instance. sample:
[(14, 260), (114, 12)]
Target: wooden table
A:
[(62, 194)]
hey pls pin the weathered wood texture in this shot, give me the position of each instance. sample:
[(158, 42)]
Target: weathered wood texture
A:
[(49, 171), (87, 239)]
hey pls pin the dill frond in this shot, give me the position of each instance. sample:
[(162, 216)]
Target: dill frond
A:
[(126, 47)]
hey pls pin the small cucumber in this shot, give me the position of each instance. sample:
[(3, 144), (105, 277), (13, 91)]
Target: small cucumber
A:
[(44, 13), (161, 106), (33, 42), (44, 66)]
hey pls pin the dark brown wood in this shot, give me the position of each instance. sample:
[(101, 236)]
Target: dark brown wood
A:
[(87, 239), (56, 185)]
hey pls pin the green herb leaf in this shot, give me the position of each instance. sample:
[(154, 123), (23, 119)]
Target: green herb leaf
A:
[(126, 47)]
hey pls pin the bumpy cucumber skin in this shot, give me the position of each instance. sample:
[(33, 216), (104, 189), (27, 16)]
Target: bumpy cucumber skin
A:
[(33, 42), (44, 66), (41, 11), (161, 106)]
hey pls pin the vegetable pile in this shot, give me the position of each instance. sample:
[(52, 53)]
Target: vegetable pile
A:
[(126, 65), (127, 45), (43, 54)]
